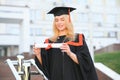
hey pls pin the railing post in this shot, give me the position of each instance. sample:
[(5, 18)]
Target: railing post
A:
[(20, 62), (26, 67)]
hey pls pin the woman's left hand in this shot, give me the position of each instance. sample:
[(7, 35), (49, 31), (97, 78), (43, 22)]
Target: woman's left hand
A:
[(65, 48)]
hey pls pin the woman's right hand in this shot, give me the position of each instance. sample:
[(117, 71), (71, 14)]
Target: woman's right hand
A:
[(36, 51)]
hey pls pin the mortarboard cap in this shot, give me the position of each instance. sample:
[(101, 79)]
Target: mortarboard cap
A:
[(57, 11)]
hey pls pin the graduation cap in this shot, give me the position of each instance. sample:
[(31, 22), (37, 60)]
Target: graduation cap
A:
[(57, 11)]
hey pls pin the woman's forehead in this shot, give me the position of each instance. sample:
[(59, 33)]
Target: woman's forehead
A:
[(61, 16)]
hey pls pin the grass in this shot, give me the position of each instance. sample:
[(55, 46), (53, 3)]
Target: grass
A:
[(112, 60)]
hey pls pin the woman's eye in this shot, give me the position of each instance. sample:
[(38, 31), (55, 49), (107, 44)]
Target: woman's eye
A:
[(62, 19), (56, 20)]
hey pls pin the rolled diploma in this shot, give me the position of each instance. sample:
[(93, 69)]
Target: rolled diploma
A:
[(42, 45)]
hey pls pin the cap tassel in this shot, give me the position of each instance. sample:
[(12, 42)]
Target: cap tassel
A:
[(69, 14)]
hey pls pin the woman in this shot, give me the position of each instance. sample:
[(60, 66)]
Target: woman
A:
[(72, 61)]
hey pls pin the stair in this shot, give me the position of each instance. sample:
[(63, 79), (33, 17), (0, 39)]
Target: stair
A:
[(6, 73), (109, 48)]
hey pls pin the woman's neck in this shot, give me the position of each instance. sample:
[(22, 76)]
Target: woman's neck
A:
[(62, 33)]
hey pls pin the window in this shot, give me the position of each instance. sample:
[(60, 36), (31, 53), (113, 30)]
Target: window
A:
[(32, 15), (68, 1), (112, 34), (111, 18), (97, 2), (83, 2), (111, 2), (98, 34), (97, 18), (49, 17), (12, 29), (36, 15), (82, 17), (35, 31)]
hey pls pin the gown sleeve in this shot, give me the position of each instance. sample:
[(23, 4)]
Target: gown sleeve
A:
[(44, 66), (85, 62)]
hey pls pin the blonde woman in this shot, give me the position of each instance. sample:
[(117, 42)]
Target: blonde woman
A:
[(72, 61)]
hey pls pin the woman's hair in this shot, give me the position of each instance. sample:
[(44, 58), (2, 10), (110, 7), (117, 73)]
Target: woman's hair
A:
[(69, 30)]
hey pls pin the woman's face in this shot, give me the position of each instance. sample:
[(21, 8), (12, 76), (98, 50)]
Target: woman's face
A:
[(60, 23)]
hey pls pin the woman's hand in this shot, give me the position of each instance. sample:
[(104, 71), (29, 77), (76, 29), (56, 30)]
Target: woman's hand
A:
[(36, 51), (65, 48)]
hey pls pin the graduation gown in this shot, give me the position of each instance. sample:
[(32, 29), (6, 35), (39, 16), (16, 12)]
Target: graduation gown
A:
[(57, 65)]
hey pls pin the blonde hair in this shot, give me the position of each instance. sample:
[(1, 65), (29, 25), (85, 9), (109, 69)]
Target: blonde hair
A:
[(69, 30)]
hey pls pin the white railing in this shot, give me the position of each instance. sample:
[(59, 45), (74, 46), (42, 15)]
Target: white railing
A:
[(23, 68), (107, 71)]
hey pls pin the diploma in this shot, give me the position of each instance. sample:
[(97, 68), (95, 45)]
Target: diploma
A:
[(45, 45)]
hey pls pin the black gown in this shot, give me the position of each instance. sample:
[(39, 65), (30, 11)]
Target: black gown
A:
[(57, 65)]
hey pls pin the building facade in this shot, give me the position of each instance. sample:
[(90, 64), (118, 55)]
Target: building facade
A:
[(24, 22)]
